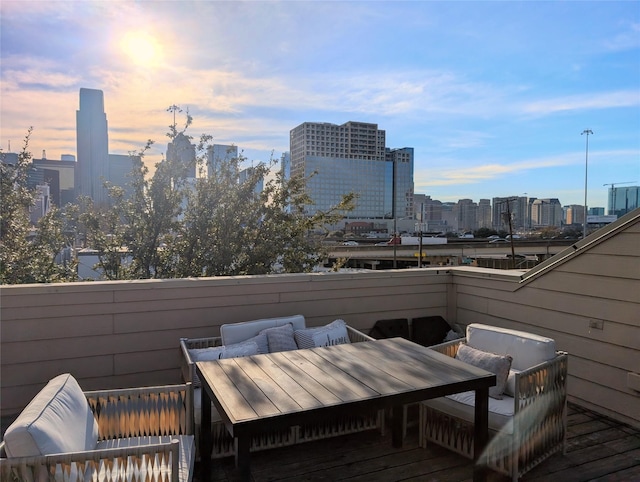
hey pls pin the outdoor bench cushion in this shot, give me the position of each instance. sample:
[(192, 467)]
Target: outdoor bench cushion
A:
[(57, 420), (526, 349), (236, 332)]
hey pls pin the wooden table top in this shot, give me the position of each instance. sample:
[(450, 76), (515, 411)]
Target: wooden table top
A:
[(305, 383)]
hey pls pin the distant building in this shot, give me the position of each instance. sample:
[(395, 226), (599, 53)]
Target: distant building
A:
[(623, 200), (353, 157), (59, 176), (218, 153), (94, 164), (484, 213), (92, 147), (246, 174), (546, 212), (182, 151), (467, 214), (515, 206), (574, 214)]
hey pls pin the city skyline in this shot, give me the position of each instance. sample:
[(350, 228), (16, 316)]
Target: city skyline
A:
[(492, 96)]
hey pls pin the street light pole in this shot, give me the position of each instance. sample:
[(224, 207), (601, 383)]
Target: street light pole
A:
[(586, 164)]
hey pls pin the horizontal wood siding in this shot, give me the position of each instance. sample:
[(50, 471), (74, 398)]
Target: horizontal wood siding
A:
[(601, 285), (124, 334)]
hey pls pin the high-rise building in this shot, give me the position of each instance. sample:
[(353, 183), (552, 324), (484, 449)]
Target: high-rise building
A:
[(484, 213), (574, 214), (182, 151), (515, 206), (467, 213), (92, 146), (623, 199), (218, 153), (546, 212), (353, 157), (59, 176)]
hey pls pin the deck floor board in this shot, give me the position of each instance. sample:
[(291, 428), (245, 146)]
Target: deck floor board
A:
[(598, 449)]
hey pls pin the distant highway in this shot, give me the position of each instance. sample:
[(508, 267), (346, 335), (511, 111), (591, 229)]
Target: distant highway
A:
[(469, 248)]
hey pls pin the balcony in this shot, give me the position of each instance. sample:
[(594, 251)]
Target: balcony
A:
[(123, 334)]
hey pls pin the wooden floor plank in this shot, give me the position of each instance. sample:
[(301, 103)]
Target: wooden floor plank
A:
[(600, 450)]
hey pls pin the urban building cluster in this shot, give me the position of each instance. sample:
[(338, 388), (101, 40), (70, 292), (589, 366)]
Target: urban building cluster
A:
[(338, 159)]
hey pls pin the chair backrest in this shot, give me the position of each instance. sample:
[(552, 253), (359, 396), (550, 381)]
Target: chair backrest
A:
[(527, 349), (57, 420), (236, 332)]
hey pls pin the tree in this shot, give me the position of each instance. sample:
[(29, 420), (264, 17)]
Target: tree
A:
[(173, 228), (28, 252)]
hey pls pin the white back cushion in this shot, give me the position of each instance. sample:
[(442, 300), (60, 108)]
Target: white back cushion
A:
[(527, 349), (237, 332), (57, 420)]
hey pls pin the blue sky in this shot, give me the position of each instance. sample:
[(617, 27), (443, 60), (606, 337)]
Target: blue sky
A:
[(493, 96)]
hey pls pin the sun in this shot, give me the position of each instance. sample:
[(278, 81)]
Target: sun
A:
[(142, 48)]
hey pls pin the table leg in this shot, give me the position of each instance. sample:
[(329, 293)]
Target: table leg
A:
[(397, 417), (206, 436), (243, 444), (481, 433)]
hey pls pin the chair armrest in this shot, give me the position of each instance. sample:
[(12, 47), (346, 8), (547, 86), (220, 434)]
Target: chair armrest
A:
[(187, 365), (545, 379), (449, 348), (356, 336), (132, 412), (128, 460)]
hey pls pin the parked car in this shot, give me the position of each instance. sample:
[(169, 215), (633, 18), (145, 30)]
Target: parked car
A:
[(499, 240), (350, 243)]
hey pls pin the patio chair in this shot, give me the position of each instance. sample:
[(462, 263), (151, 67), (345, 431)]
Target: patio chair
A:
[(106, 435), (527, 408)]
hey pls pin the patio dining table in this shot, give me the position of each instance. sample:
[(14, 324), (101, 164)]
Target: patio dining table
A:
[(260, 393)]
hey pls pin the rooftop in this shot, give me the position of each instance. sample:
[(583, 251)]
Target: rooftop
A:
[(124, 334)]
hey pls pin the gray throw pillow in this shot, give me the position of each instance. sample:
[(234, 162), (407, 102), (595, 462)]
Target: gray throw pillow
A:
[(499, 365), (280, 338)]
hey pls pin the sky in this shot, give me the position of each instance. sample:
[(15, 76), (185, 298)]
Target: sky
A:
[(493, 96)]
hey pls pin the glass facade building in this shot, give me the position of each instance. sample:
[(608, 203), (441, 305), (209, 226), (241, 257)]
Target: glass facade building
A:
[(623, 199), (353, 157)]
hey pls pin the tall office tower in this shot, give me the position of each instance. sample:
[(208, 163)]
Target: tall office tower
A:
[(218, 153), (353, 157), (402, 180), (59, 175), (285, 165), (623, 199), (484, 213), (546, 212), (467, 214), (516, 206), (574, 214), (245, 174), (181, 150), (449, 216), (93, 147), (419, 207)]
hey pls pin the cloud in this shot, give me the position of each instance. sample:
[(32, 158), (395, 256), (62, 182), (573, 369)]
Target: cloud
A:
[(485, 172), (602, 100)]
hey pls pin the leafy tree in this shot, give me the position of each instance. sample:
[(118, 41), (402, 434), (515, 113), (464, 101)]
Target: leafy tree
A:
[(28, 253), (172, 228)]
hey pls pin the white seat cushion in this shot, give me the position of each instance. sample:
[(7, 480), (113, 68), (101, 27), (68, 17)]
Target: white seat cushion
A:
[(237, 332), (527, 349), (462, 405), (57, 420), (187, 451)]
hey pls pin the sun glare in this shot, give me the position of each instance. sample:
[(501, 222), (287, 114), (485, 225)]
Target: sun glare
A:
[(141, 48)]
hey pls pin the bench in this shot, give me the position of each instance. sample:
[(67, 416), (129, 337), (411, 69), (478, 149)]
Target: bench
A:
[(527, 408), (249, 338), (106, 435)]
